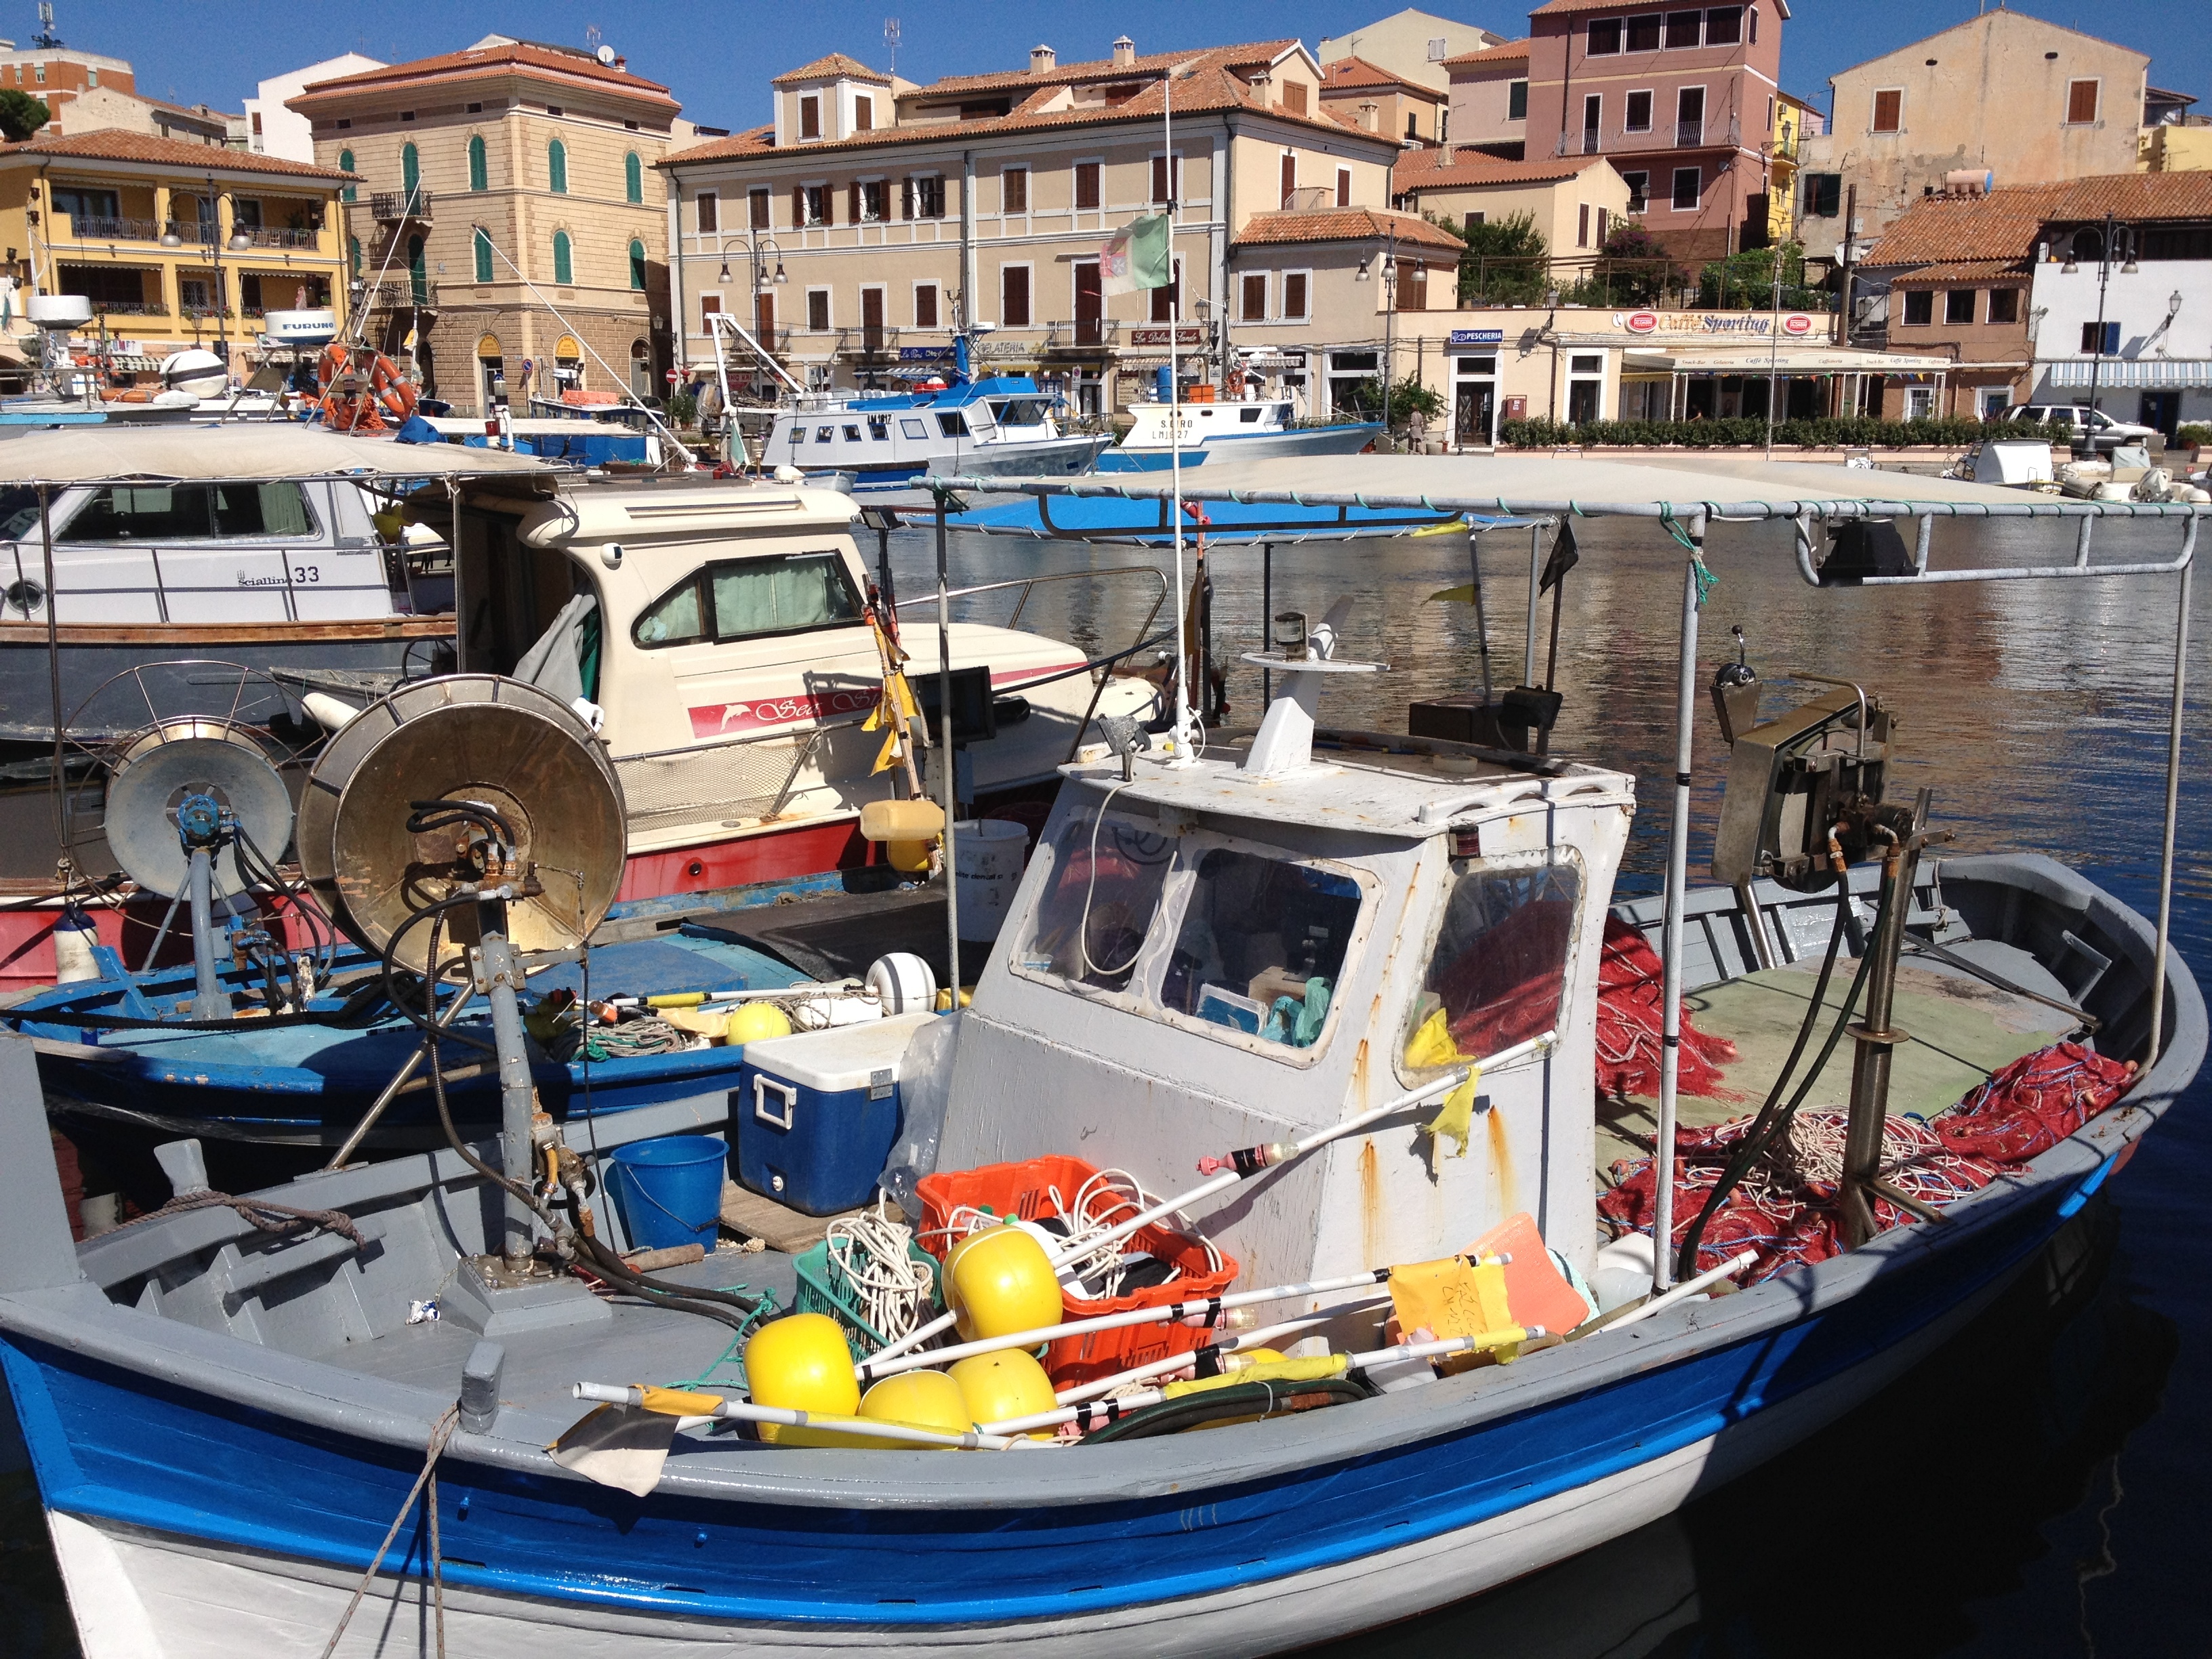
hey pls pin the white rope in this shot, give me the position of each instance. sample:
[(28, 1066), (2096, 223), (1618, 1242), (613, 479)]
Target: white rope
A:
[(890, 1288)]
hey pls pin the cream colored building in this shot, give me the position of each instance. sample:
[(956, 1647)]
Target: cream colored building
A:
[(2004, 94), (1575, 201), (1377, 100), (1490, 99), (869, 219), (512, 214), (1412, 44)]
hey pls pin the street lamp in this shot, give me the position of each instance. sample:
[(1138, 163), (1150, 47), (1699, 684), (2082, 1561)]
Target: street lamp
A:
[(1390, 313), (2104, 280), (759, 250)]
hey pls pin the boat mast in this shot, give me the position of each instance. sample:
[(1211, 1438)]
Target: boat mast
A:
[(1186, 733)]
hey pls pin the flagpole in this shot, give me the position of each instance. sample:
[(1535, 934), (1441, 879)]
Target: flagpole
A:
[(1186, 736)]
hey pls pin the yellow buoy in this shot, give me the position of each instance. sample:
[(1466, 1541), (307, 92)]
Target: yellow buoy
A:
[(800, 1362), (995, 1387), (924, 1400), (1002, 1283), (755, 1021)]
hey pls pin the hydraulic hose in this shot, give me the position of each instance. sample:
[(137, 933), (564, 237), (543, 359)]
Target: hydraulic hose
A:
[(1210, 1405)]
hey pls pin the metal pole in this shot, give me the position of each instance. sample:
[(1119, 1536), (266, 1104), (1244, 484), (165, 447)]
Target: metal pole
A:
[(208, 1001), (946, 794), (59, 792), (1870, 1066), (1535, 584), (1670, 949), (2172, 803), (1773, 353), (499, 970), (1186, 734), (1267, 616), (2097, 357)]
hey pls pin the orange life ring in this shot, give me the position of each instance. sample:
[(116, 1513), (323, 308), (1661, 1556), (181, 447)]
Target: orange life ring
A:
[(379, 390)]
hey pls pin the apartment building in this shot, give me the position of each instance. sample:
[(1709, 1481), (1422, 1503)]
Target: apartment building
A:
[(1490, 101), (1379, 101), (1412, 44), (509, 234), (273, 128), (56, 76), (102, 109), (870, 219), (175, 243), (1681, 101), (1574, 202), (2003, 96)]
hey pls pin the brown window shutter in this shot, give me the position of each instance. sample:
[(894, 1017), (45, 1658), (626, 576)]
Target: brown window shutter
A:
[(797, 205), (855, 201)]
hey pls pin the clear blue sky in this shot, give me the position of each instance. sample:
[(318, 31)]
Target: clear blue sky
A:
[(717, 56)]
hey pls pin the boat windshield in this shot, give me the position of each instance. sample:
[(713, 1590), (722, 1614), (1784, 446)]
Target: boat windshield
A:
[(1021, 411), (750, 598), (1497, 971), (19, 512), (1104, 891)]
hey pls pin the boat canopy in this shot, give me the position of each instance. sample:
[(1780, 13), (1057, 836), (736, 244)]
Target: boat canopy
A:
[(259, 450)]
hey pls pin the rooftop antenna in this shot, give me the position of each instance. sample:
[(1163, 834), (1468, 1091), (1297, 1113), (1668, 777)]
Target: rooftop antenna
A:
[(592, 39), (45, 40), (891, 40)]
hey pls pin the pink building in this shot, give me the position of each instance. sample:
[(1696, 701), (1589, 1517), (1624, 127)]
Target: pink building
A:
[(1680, 101)]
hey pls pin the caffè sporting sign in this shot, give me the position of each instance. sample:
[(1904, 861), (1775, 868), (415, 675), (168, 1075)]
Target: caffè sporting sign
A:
[(1708, 324)]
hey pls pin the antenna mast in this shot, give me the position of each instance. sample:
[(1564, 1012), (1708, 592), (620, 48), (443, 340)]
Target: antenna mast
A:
[(45, 40), (891, 40)]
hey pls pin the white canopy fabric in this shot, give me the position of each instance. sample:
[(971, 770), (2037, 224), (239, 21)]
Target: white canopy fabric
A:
[(258, 450), (1789, 360), (2131, 372)]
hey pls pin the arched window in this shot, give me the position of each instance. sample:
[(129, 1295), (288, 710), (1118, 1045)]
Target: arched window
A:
[(633, 177), (345, 165), (556, 167), (411, 169), (563, 267), (479, 170), (353, 252), (483, 256), (637, 265), (418, 273)]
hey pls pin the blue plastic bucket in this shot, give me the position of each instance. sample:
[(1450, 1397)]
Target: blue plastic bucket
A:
[(670, 1191)]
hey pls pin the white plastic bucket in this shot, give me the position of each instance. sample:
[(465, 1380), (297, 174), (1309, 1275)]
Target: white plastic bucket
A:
[(987, 855)]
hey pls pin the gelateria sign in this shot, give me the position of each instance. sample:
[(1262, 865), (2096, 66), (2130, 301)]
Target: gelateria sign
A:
[(1711, 325)]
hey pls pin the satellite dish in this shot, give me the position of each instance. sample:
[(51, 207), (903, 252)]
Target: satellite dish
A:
[(162, 769), (606, 56), (474, 738)]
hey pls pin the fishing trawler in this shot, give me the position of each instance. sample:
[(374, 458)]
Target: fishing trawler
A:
[(1356, 979), (1258, 429)]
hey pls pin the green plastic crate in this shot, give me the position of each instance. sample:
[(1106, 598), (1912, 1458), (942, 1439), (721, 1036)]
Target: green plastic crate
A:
[(822, 1288)]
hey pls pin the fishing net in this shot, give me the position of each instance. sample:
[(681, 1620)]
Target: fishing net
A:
[(1628, 1015), (1785, 1208)]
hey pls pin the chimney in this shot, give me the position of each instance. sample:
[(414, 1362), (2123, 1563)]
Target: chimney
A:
[(1125, 52), (622, 64), (1042, 58), (1370, 116)]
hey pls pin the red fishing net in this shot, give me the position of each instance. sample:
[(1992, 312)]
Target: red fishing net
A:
[(1628, 1005), (1785, 1207)]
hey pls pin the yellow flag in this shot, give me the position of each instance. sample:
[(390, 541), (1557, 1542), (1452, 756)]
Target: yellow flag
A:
[(1456, 1121)]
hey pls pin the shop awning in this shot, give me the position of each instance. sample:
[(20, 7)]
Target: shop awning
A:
[(1789, 360), (2132, 371)]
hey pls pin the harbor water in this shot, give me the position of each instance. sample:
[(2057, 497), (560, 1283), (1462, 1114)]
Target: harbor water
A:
[(2037, 1488)]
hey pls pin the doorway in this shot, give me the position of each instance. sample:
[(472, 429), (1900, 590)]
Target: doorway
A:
[(1089, 306), (1474, 403), (2161, 411)]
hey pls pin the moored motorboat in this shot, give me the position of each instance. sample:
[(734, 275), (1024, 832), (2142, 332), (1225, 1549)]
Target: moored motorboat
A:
[(1259, 429)]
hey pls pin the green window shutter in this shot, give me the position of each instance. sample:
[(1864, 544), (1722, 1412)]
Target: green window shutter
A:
[(563, 266), (353, 252), (411, 169), (634, 178), (345, 165), (556, 167), (479, 170), (484, 257), (637, 266)]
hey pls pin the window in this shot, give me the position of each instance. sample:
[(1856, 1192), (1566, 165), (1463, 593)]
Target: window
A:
[(82, 205), (1640, 191), (38, 73), (809, 118), (863, 113), (1252, 297), (632, 178), (1919, 309), (564, 267), (852, 434), (1165, 179), (1412, 286), (1516, 101), (1294, 97), (706, 212), (1166, 305), (951, 423), (2004, 305), (1683, 28), (1289, 178), (868, 201), (1604, 225), (1498, 972), (475, 109), (1344, 187), (1642, 33), (752, 598), (1582, 225), (2080, 103), (1086, 185), (123, 512), (879, 429), (637, 266), (913, 429), (1014, 191), (925, 196), (925, 305), (1723, 25), (345, 165), (1261, 944), (817, 309), (1959, 305), (1690, 115), (811, 204), (479, 164), (556, 167), (1685, 190), (1638, 116), (1604, 38), (1889, 110), (550, 109), (483, 256), (1823, 195), (710, 305), (1919, 402), (2101, 342), (411, 169), (1593, 119), (1295, 283), (1100, 899), (1014, 297)]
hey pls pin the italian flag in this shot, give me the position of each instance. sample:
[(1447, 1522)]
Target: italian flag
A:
[(1137, 258)]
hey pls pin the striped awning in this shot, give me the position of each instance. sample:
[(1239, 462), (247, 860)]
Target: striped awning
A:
[(2132, 371)]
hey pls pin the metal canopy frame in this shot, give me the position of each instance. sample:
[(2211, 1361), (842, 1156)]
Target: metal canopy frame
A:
[(1686, 522)]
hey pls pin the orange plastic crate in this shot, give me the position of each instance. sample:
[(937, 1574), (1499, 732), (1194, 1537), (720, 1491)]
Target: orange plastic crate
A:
[(1023, 1191)]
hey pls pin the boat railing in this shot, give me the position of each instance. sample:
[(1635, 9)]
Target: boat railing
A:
[(736, 780)]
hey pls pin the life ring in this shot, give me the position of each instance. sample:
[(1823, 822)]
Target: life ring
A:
[(363, 391)]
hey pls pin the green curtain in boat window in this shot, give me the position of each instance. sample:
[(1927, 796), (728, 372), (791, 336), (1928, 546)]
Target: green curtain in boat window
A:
[(483, 256), (411, 169), (479, 169), (556, 167), (345, 165), (563, 265), (632, 178), (637, 266), (776, 596)]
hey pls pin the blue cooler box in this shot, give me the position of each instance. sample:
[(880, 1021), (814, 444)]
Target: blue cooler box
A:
[(818, 1112)]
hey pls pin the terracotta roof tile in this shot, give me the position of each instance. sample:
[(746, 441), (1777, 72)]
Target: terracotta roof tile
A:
[(112, 145), (1506, 51), (514, 54), (1460, 168), (1967, 270), (836, 63), (1347, 74), (1344, 225), (2006, 223)]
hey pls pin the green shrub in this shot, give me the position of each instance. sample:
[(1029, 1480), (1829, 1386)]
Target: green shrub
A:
[(1827, 432), (683, 410), (2193, 437)]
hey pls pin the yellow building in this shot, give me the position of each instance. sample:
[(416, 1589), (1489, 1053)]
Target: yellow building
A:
[(1792, 120), (175, 244)]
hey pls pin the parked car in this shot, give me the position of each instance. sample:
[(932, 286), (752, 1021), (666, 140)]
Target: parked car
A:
[(2092, 430)]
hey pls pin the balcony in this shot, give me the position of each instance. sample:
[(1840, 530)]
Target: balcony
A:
[(281, 236), (401, 295), (394, 207), (98, 228), (130, 308)]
